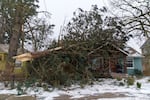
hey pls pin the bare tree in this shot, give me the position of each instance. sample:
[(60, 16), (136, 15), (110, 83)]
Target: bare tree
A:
[(135, 15), (37, 33)]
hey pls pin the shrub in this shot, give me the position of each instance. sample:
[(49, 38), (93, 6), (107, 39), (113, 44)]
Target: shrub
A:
[(138, 72), (121, 84), (119, 79), (138, 85), (130, 81)]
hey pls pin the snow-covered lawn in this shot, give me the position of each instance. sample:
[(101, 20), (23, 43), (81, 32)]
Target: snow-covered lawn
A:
[(98, 89)]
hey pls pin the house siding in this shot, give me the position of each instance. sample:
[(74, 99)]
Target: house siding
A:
[(137, 64), (2, 61)]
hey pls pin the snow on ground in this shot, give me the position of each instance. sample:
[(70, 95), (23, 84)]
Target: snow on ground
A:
[(99, 87)]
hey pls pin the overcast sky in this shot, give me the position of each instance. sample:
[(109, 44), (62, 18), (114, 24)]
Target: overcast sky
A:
[(62, 10)]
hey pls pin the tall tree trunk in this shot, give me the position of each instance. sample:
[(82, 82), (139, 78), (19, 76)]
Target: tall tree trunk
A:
[(14, 41)]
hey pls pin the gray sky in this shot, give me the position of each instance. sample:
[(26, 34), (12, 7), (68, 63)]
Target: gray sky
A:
[(62, 10)]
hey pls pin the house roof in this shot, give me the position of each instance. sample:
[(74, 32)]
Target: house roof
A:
[(146, 43), (100, 47), (131, 52)]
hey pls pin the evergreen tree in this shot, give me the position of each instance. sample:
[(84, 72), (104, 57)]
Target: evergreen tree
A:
[(15, 13)]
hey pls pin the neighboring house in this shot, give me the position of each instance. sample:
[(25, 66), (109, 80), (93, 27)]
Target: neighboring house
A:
[(133, 61), (116, 60), (19, 67), (146, 52)]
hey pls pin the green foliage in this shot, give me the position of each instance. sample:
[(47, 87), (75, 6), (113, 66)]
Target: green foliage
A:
[(19, 88), (119, 79), (94, 28), (130, 81), (138, 85), (61, 68), (138, 72), (10, 10), (29, 82), (148, 80), (121, 84), (22, 87), (87, 31)]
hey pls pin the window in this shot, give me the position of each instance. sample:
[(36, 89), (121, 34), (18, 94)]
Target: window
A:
[(97, 62), (0, 57), (17, 64), (129, 62)]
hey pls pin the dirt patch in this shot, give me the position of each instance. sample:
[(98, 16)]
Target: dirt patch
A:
[(63, 97), (5, 96), (92, 97), (104, 95), (14, 97)]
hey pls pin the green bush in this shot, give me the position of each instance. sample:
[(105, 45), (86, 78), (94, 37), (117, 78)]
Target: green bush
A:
[(119, 79), (138, 85), (138, 72), (121, 84), (130, 81)]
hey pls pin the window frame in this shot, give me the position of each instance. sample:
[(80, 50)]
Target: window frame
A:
[(1, 57), (18, 64), (132, 62), (98, 62)]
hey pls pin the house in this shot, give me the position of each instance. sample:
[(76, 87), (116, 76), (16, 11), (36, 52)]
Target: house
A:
[(104, 60), (133, 61), (146, 60), (116, 60), (19, 66)]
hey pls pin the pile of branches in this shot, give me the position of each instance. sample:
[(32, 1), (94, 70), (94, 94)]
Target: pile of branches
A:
[(66, 66)]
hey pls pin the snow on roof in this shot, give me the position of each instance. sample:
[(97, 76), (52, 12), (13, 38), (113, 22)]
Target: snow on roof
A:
[(132, 52), (128, 50)]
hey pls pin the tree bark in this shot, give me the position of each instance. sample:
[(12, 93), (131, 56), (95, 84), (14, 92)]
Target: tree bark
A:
[(14, 41)]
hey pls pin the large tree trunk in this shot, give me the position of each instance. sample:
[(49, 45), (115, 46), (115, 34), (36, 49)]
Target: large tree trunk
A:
[(14, 41)]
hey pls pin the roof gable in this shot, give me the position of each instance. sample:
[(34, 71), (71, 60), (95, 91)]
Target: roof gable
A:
[(132, 52), (127, 50), (146, 43)]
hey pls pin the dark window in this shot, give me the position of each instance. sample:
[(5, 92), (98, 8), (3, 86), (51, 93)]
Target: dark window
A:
[(129, 62), (97, 62), (1, 57), (17, 64)]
